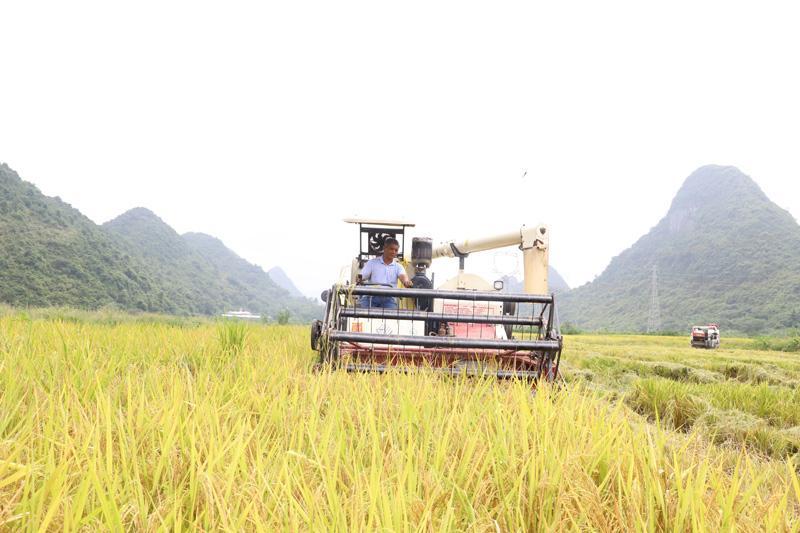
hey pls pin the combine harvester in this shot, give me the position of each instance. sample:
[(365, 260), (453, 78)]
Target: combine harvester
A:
[(465, 326), (705, 336)]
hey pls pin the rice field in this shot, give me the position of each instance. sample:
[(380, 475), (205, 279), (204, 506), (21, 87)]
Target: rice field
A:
[(145, 425), (735, 395)]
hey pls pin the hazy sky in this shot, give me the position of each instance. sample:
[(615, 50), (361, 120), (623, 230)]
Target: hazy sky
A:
[(265, 124)]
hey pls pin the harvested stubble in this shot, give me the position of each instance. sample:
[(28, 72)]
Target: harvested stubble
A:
[(142, 427), (734, 396)]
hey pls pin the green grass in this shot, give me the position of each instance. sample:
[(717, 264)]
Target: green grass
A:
[(232, 335)]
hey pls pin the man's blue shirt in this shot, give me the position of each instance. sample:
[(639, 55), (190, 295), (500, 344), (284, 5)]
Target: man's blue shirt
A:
[(376, 271)]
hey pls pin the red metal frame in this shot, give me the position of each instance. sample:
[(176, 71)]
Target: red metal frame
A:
[(383, 354)]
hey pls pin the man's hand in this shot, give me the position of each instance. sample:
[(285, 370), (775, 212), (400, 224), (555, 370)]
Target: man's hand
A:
[(408, 283)]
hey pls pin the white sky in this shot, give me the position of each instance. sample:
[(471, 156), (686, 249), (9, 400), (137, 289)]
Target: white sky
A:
[(265, 124)]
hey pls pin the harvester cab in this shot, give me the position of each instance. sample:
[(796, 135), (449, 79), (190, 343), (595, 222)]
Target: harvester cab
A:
[(705, 336), (467, 325)]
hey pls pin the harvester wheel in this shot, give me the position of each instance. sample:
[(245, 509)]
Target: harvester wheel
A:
[(316, 331)]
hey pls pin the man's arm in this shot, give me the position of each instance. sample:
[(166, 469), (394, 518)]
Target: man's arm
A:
[(366, 272), (404, 278)]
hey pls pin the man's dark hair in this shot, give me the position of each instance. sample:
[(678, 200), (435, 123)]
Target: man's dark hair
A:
[(390, 240)]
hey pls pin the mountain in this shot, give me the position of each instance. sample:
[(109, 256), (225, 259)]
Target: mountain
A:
[(52, 255), (193, 284), (556, 283), (280, 278), (723, 253), (251, 286), (200, 272)]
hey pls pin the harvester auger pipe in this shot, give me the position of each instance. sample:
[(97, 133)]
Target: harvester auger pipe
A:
[(534, 243), (468, 246)]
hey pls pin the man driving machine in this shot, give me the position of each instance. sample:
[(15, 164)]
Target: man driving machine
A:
[(384, 270)]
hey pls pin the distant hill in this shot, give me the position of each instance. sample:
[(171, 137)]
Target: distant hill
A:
[(191, 282), (50, 255), (201, 272), (556, 283), (277, 275), (251, 286), (723, 253)]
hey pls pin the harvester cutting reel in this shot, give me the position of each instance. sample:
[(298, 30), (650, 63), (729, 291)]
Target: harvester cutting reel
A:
[(477, 333)]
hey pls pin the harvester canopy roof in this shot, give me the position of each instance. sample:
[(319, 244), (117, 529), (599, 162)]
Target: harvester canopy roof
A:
[(379, 222)]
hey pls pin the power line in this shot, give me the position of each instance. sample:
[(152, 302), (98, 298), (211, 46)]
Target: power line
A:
[(654, 321)]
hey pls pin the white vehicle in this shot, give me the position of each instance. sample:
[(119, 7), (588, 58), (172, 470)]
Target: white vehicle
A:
[(241, 314)]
